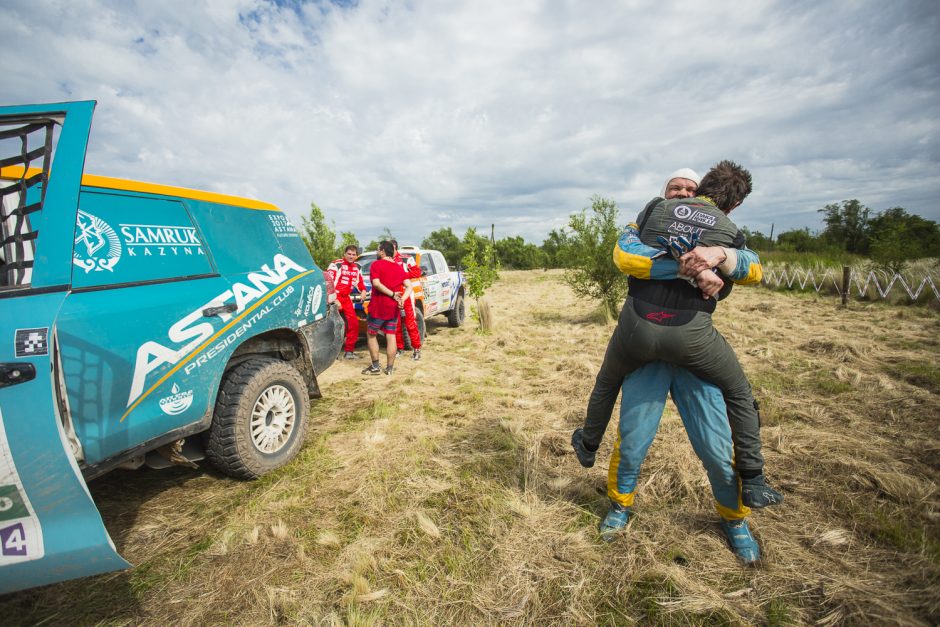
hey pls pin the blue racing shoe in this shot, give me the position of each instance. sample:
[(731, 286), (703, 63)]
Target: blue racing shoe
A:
[(585, 457), (616, 519), (742, 541)]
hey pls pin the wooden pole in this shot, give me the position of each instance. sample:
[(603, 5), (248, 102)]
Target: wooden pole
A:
[(846, 273)]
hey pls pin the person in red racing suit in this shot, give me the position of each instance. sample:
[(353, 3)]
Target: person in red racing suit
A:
[(346, 274), (413, 272)]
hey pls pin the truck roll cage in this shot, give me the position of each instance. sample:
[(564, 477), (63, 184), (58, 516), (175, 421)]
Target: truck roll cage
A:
[(17, 235)]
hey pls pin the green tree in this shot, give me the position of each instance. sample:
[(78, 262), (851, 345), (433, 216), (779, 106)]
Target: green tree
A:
[(385, 235), (347, 238), (799, 241), (846, 226), (757, 240), (319, 236), (481, 268), (590, 247), (447, 242), (897, 237), (516, 253), (554, 248)]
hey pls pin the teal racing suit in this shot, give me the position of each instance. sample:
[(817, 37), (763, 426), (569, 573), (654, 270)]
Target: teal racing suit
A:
[(704, 415), (665, 318)]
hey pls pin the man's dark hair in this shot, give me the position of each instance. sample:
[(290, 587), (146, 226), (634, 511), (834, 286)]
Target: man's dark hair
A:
[(728, 184), (352, 247), (394, 243), (386, 247)]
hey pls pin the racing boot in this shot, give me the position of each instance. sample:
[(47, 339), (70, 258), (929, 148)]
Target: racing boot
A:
[(742, 542), (351, 355), (616, 519), (586, 457), (756, 493), (416, 355)]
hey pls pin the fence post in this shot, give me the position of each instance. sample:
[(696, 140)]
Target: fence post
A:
[(845, 285)]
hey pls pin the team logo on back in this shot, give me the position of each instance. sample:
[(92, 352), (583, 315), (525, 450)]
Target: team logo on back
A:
[(97, 246), (685, 212)]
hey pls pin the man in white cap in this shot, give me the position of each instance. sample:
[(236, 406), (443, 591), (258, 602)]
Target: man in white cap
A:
[(701, 406), (682, 319), (681, 184)]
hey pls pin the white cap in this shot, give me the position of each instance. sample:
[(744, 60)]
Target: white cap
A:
[(682, 173)]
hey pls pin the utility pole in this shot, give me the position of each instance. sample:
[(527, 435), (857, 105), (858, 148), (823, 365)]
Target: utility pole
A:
[(493, 243)]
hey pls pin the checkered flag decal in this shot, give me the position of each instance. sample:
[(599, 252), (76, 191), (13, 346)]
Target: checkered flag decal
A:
[(32, 342)]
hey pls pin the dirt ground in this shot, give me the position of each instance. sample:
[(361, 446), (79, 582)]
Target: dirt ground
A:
[(448, 494)]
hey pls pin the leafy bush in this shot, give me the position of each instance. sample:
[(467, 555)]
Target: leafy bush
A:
[(589, 251)]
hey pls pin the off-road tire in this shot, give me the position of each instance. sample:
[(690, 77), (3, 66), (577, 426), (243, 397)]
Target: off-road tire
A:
[(457, 315), (422, 330), (229, 442)]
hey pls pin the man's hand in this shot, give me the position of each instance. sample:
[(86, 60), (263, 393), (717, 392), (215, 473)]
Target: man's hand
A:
[(710, 283), (701, 258)]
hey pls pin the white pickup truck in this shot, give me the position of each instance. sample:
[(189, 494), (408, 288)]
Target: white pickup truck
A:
[(440, 290)]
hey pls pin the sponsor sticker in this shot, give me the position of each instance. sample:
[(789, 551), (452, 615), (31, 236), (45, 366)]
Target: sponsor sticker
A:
[(681, 228), (309, 302), (193, 329), (177, 402), (282, 227), (686, 213), (97, 246), (20, 531), (237, 332), (32, 342), (160, 240)]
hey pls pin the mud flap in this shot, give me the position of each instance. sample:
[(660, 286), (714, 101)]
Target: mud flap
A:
[(50, 529)]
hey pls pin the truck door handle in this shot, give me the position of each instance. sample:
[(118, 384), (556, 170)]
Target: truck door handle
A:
[(11, 374), (208, 312)]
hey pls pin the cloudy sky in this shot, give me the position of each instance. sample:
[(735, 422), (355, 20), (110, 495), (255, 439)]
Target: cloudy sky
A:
[(420, 114)]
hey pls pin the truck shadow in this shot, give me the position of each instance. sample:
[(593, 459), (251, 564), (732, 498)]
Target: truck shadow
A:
[(121, 496)]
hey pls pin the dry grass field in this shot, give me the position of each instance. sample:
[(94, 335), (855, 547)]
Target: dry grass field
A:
[(448, 494)]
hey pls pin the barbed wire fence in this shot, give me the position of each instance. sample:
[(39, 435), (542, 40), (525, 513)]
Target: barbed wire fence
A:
[(866, 284)]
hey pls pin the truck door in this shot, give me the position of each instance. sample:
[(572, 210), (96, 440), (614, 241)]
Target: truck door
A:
[(141, 278), (50, 529), (448, 287)]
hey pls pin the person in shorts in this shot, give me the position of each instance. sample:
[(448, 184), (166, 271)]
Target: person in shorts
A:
[(390, 287)]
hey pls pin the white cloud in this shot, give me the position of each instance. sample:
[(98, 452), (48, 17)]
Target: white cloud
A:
[(417, 115)]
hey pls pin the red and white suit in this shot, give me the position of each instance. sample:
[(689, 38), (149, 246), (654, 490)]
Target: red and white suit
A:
[(413, 272), (347, 275)]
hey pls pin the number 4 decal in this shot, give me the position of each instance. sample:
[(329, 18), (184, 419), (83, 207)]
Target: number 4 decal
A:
[(13, 540)]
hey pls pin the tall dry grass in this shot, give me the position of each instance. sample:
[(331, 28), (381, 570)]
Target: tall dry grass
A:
[(447, 494)]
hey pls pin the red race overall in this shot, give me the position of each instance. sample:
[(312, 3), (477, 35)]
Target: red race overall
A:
[(412, 271), (347, 275)]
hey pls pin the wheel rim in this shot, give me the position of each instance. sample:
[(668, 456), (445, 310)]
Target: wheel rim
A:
[(460, 310), (272, 419)]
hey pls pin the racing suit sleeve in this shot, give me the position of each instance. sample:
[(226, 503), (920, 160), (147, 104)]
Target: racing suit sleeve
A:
[(413, 270), (636, 259), (742, 265), (333, 271)]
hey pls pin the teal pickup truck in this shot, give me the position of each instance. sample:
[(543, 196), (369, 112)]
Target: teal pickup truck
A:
[(139, 324)]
